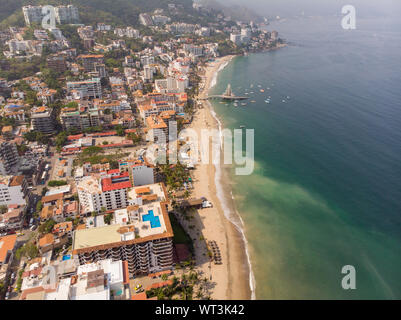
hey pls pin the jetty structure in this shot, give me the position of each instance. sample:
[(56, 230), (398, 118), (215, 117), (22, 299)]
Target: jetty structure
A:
[(227, 95)]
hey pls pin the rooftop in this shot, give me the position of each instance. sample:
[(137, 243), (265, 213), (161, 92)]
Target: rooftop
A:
[(7, 243)]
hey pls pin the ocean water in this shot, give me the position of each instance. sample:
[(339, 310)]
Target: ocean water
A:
[(326, 189)]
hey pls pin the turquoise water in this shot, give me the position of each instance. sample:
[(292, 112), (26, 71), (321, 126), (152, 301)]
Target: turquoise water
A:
[(154, 221), (326, 188), (66, 257)]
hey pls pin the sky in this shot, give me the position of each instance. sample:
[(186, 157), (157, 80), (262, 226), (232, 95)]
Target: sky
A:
[(287, 8)]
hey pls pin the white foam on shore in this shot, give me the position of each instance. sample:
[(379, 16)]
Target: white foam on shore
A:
[(213, 82), (234, 218), (231, 216)]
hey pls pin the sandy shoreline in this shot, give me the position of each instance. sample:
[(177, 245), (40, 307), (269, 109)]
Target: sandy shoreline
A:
[(231, 280)]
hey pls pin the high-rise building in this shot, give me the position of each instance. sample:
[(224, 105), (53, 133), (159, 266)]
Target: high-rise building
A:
[(140, 234), (63, 14), (67, 14), (57, 63), (9, 158), (43, 119), (86, 89)]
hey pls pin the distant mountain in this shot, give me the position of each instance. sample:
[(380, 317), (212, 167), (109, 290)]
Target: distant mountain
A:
[(236, 12), (117, 12)]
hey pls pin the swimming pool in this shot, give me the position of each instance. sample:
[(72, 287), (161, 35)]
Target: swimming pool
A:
[(67, 257), (154, 221)]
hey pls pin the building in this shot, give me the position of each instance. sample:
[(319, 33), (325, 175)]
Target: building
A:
[(235, 38), (139, 234), (109, 192), (43, 119), (102, 280), (89, 61), (9, 158), (67, 14), (63, 14), (32, 14), (57, 63), (14, 190), (7, 250), (85, 89), (145, 19), (13, 219), (158, 129)]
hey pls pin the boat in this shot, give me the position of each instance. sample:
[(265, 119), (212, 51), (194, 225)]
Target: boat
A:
[(235, 104), (288, 97), (259, 86), (242, 127), (267, 101), (243, 104), (253, 101), (283, 100), (261, 90)]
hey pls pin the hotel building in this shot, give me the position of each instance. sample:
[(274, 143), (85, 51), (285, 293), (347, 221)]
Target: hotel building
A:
[(140, 234)]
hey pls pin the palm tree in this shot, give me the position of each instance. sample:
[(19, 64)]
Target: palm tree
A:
[(199, 295)]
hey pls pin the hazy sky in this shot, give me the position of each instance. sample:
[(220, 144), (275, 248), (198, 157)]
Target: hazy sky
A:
[(320, 7)]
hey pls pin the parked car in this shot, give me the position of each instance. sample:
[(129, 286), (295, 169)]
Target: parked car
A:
[(207, 204)]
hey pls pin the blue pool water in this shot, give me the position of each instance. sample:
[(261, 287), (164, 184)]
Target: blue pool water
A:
[(154, 221), (67, 257)]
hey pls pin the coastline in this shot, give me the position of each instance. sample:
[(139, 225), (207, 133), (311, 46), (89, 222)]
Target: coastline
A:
[(233, 279)]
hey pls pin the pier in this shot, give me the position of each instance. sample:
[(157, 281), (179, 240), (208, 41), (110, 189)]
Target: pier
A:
[(227, 95)]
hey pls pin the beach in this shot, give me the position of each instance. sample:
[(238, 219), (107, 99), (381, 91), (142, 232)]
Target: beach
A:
[(231, 280)]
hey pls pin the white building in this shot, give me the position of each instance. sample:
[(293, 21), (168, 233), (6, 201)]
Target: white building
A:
[(67, 14), (108, 192), (235, 38), (86, 89), (14, 190)]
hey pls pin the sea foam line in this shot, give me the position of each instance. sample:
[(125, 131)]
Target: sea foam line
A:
[(220, 194)]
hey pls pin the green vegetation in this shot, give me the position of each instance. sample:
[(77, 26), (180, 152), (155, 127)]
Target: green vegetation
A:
[(186, 287), (120, 130), (47, 226), (37, 136), (57, 183), (180, 236), (174, 175), (95, 155), (19, 281), (17, 69), (29, 250), (61, 140), (136, 138), (107, 218), (121, 12)]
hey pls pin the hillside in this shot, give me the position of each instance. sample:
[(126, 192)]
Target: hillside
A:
[(236, 12), (116, 12)]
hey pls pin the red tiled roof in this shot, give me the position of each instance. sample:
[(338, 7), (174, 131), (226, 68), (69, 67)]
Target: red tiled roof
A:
[(76, 137), (108, 185), (113, 171)]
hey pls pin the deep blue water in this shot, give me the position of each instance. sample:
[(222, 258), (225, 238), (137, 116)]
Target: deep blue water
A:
[(326, 189)]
